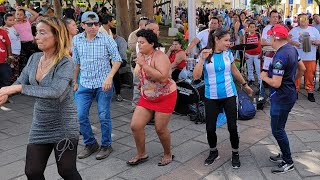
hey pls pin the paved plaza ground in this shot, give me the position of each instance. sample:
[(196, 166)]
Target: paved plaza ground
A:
[(189, 145)]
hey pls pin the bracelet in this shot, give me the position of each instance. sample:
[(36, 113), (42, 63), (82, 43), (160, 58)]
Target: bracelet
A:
[(244, 84)]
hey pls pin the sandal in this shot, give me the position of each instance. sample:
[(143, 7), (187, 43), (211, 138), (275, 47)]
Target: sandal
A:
[(164, 163), (137, 161)]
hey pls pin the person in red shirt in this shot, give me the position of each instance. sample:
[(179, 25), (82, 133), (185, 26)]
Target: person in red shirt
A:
[(252, 37), (5, 53), (177, 57)]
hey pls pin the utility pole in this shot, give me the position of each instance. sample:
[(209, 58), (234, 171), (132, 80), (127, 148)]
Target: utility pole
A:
[(173, 11), (192, 23)]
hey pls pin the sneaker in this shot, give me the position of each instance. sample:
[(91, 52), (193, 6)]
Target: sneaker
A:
[(119, 98), (88, 150), (311, 97), (235, 161), (283, 167), (104, 152), (214, 155), (277, 158)]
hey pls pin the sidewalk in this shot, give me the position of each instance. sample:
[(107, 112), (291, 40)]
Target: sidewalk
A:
[(189, 145)]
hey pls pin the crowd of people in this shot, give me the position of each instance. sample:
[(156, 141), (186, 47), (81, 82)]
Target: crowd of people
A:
[(66, 67)]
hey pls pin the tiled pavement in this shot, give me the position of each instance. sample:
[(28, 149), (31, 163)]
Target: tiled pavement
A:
[(189, 145)]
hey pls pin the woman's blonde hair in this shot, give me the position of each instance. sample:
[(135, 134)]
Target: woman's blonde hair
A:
[(62, 37)]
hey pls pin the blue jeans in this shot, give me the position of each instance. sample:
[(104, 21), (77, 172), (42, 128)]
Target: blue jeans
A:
[(84, 98), (279, 116)]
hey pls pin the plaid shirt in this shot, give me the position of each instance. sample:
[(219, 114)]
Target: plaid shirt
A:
[(94, 58)]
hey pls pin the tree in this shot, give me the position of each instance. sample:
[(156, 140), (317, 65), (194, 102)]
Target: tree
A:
[(27, 2), (147, 8), (318, 2), (133, 14), (268, 3), (156, 3), (123, 22), (57, 8)]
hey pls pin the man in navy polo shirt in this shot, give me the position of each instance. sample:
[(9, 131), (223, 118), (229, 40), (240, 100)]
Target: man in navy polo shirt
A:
[(284, 70)]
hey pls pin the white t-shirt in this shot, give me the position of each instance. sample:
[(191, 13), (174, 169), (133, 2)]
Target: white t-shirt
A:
[(15, 40), (297, 35), (264, 33), (203, 37)]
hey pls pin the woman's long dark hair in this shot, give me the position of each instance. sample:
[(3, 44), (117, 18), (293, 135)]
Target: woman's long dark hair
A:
[(219, 33)]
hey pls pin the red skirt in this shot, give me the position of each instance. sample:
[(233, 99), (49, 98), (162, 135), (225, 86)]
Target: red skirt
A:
[(163, 104)]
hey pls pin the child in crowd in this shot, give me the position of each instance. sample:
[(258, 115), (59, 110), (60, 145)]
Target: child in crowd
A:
[(5, 57), (253, 37), (15, 45)]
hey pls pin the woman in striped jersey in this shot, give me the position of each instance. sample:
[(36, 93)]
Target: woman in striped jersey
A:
[(217, 64)]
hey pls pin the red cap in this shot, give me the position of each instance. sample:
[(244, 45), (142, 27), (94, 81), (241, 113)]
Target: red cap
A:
[(279, 31)]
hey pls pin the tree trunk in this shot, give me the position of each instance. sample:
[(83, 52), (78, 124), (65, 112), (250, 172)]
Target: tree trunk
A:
[(57, 9), (123, 22), (27, 2), (133, 15), (147, 8)]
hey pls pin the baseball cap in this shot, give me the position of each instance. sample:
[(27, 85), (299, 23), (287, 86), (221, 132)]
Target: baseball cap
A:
[(278, 31), (85, 17)]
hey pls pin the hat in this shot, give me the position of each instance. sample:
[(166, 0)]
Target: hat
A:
[(85, 17), (278, 31), (178, 20)]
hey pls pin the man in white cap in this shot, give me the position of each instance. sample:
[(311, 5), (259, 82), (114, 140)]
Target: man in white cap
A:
[(92, 51)]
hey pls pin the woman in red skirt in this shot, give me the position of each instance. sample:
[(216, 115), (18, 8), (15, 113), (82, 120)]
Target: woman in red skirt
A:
[(158, 97)]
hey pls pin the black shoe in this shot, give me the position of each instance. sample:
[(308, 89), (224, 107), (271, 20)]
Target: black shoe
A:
[(250, 83), (311, 97), (277, 158), (283, 167), (88, 150), (214, 155), (235, 161), (104, 152)]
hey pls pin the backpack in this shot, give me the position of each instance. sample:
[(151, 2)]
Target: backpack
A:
[(197, 112), (246, 109)]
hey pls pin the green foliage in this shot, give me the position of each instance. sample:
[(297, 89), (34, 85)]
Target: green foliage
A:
[(184, 42), (267, 3)]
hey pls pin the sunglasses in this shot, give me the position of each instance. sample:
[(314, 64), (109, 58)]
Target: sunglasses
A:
[(144, 18), (90, 24), (303, 19)]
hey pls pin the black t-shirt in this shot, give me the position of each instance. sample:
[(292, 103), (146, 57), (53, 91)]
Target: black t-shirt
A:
[(69, 12)]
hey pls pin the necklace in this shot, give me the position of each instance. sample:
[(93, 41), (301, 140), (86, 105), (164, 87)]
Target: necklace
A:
[(46, 66)]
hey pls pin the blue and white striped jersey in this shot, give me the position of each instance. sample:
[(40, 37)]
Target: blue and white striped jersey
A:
[(218, 77)]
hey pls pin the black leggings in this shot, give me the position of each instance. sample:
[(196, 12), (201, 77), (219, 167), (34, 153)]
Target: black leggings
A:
[(213, 107), (117, 82), (38, 155)]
